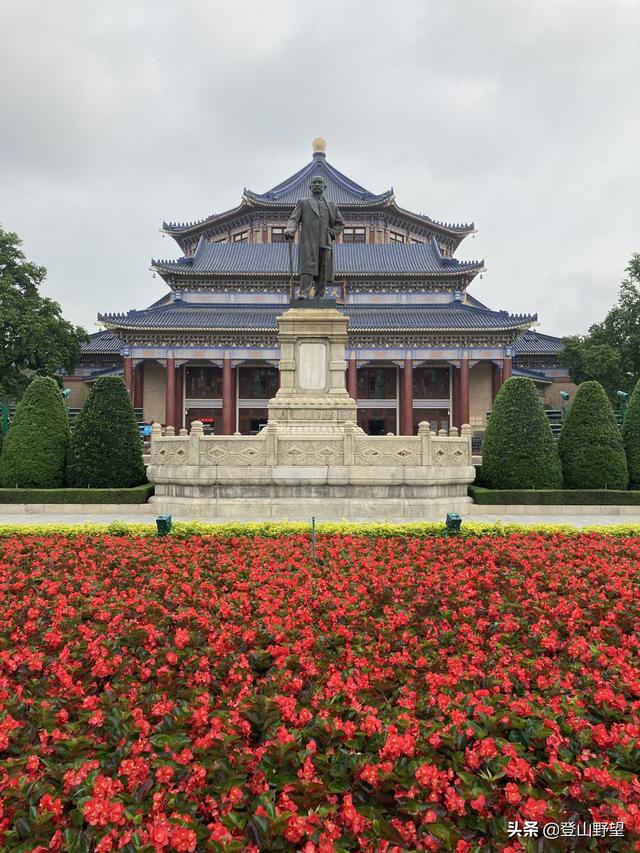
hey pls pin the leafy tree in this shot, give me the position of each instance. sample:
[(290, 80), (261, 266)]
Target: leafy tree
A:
[(106, 451), (590, 446), (518, 450), (610, 352), (631, 437), (34, 450), (34, 337)]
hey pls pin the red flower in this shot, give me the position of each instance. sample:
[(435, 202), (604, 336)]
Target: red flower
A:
[(183, 839), (512, 793)]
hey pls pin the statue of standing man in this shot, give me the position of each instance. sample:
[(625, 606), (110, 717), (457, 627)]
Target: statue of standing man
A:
[(320, 222)]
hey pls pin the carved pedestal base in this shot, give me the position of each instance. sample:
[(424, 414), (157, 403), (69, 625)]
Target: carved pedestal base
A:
[(312, 459)]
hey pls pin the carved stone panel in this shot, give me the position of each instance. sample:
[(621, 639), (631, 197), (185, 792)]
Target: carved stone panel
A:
[(312, 452), (449, 452), (312, 366), (171, 453), (217, 451), (384, 450)]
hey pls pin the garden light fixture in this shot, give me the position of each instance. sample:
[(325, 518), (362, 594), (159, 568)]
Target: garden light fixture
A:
[(163, 523), (453, 523)]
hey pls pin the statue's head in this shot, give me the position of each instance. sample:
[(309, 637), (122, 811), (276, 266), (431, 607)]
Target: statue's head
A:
[(317, 185)]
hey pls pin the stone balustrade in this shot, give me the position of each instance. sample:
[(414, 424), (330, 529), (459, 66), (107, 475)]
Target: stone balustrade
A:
[(272, 448)]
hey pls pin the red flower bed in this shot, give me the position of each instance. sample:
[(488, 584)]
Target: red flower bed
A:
[(405, 694)]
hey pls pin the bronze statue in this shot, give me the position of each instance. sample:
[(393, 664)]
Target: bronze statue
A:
[(320, 222)]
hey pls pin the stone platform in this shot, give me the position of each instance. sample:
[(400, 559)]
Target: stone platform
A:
[(346, 475), (312, 458)]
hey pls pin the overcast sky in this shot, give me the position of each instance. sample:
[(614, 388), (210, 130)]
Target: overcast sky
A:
[(522, 116)]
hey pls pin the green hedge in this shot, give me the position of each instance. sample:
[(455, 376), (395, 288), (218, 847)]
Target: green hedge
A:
[(631, 437), (135, 495), (34, 450), (590, 446), (518, 449), (230, 530), (106, 451), (556, 497)]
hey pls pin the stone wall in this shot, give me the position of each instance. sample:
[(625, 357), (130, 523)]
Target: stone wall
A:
[(79, 391), (552, 393)]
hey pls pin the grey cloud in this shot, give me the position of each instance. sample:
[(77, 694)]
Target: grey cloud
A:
[(520, 116)]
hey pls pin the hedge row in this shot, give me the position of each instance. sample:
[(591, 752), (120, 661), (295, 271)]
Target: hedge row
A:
[(104, 452), (135, 495), (519, 451), (231, 530), (555, 497)]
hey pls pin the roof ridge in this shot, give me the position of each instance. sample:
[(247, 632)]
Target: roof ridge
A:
[(318, 165)]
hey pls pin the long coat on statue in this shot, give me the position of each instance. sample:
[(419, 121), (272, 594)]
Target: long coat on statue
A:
[(307, 215)]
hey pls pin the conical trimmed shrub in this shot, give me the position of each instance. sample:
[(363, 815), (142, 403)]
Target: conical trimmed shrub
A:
[(106, 451), (518, 449), (34, 451), (590, 447), (631, 437)]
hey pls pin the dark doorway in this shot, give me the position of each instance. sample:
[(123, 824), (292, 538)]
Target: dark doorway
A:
[(376, 421)]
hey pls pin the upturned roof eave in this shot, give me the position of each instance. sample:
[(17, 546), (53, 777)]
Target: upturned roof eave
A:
[(178, 229), (384, 200), (172, 271), (352, 330), (451, 230)]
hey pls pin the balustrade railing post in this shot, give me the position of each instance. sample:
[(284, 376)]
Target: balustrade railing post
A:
[(271, 438), (197, 432), (349, 431), (424, 434)]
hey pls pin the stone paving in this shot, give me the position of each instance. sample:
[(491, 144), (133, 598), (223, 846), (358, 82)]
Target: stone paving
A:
[(144, 518)]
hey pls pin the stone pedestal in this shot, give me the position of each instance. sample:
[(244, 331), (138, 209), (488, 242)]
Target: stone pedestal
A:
[(312, 459), (312, 397)]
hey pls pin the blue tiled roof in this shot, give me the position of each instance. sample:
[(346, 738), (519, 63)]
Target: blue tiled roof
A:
[(340, 189), (102, 343), (535, 343), (361, 318), (349, 259)]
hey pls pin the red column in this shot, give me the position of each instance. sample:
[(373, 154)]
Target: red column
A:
[(234, 420), (406, 412), (138, 386), (128, 374), (464, 391), (170, 392), (506, 369), (455, 396), (227, 397), (179, 397), (352, 378), (496, 380)]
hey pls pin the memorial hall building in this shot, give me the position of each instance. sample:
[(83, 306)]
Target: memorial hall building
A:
[(421, 347)]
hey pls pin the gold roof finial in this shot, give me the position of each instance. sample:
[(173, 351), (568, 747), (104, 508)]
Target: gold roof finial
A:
[(319, 145)]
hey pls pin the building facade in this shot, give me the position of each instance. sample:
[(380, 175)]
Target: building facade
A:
[(421, 347)]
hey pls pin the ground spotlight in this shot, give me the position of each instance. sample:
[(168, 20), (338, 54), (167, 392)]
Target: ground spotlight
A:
[(453, 523), (163, 523)]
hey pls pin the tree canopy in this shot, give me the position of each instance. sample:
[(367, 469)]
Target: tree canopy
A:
[(519, 450), (590, 446), (34, 337), (631, 437), (610, 352), (106, 451), (34, 452)]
